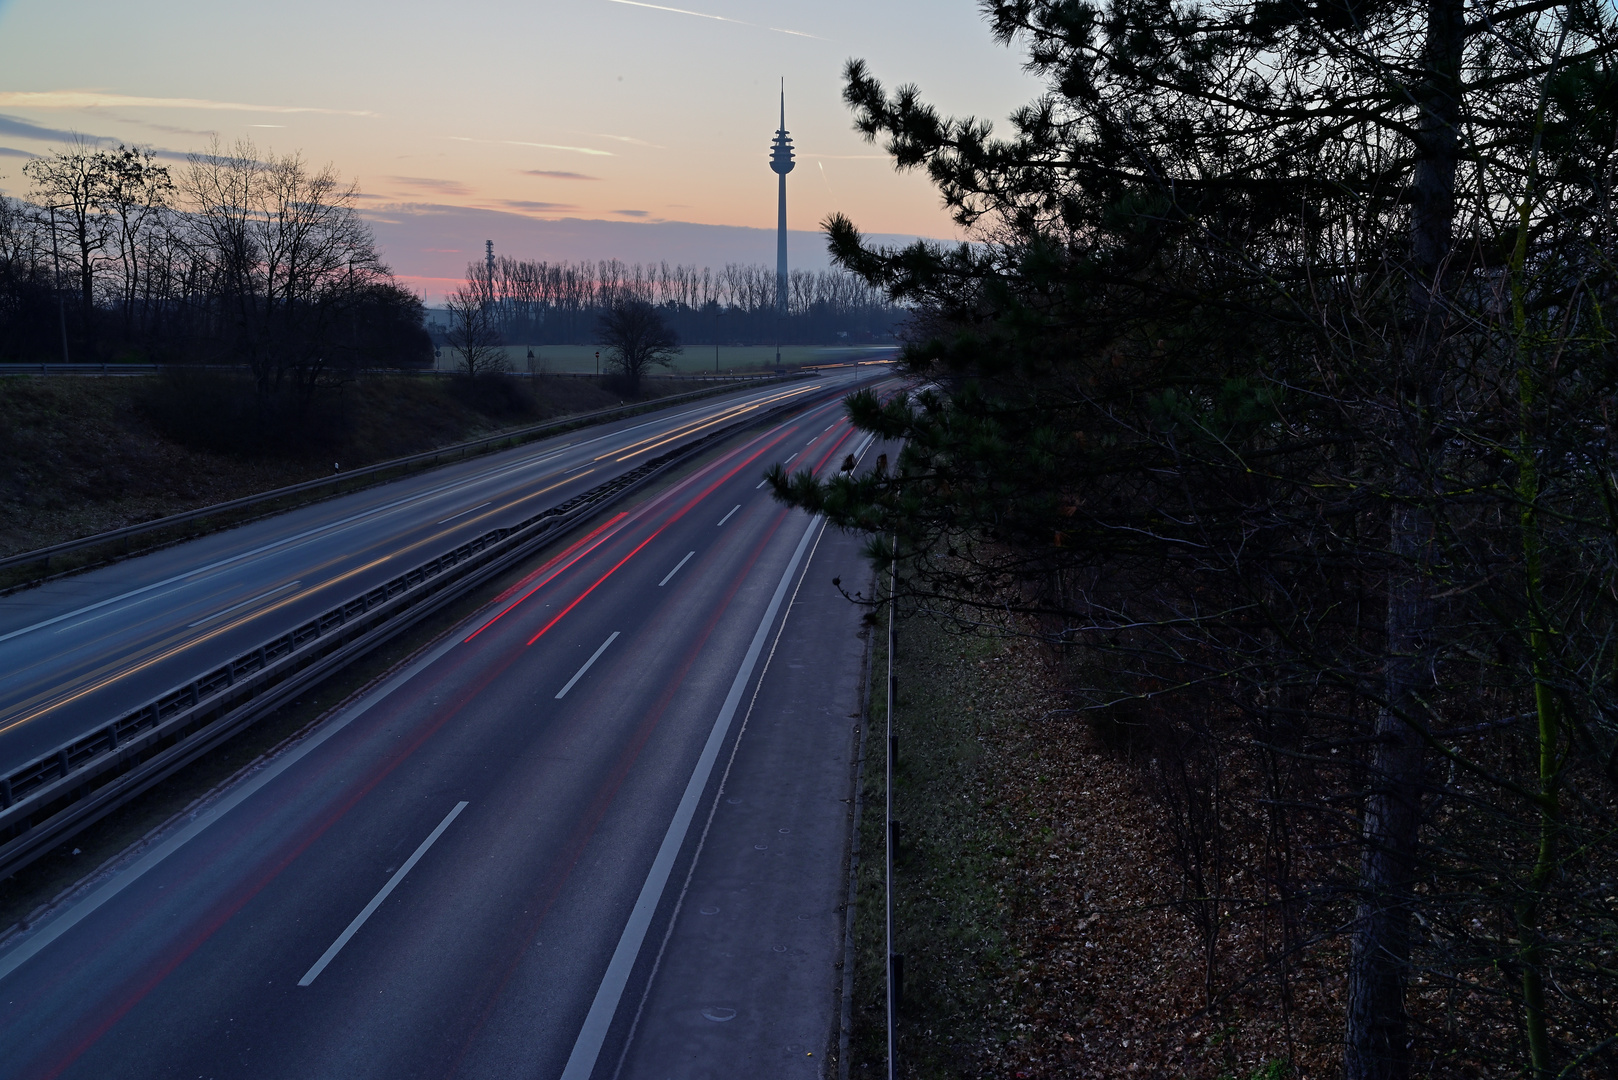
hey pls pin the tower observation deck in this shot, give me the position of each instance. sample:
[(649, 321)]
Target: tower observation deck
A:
[(781, 163)]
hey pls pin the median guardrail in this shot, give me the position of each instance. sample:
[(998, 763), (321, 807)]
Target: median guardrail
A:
[(48, 799)]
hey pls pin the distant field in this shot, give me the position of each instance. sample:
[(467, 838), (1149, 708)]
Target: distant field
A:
[(697, 359)]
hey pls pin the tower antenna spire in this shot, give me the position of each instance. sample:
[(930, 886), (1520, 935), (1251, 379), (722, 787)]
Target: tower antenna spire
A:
[(781, 163)]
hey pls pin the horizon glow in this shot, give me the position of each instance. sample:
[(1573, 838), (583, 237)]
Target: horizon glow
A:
[(602, 110)]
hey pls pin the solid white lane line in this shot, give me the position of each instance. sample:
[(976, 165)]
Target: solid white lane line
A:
[(71, 917), (587, 1048), (463, 513), (376, 901), (719, 790), (36, 940), (728, 516), (676, 569), (864, 446), (579, 674), (244, 603)]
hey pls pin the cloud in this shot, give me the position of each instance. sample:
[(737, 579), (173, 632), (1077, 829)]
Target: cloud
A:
[(633, 213), (11, 125), (442, 187), (555, 175), (22, 129), (540, 145), (167, 129), (715, 18), (91, 99), (536, 207), (7, 151)]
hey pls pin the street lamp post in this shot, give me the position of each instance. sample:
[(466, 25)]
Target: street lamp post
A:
[(716, 314), (56, 284)]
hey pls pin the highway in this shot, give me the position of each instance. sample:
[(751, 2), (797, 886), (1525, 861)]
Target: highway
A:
[(597, 830), (78, 652)]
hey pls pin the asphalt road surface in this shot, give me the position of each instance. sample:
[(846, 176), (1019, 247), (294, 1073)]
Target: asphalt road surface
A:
[(81, 651), (596, 831)]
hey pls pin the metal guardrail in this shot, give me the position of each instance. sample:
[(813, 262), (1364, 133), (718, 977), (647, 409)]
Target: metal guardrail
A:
[(344, 479), (58, 368), (72, 786)]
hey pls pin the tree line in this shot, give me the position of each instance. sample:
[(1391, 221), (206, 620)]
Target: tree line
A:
[(233, 257), (1278, 399), (560, 303)]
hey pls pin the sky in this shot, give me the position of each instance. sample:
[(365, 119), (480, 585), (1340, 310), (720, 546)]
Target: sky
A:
[(548, 126)]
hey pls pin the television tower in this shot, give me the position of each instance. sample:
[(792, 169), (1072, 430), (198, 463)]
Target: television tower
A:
[(781, 163)]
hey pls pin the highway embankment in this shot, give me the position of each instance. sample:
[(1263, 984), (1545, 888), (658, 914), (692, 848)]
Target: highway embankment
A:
[(86, 455)]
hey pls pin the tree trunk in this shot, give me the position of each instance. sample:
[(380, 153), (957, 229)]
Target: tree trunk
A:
[(1376, 1044)]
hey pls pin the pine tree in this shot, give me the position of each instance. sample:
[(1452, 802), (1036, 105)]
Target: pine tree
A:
[(1233, 335)]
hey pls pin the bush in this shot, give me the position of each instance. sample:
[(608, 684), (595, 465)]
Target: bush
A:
[(209, 411), (495, 395)]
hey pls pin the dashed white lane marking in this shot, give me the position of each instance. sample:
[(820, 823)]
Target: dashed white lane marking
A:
[(676, 569), (788, 461), (244, 603), (761, 483), (587, 1047), (70, 917), (579, 674), (376, 901), (728, 516)]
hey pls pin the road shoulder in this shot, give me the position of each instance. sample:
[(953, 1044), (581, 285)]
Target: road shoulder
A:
[(747, 978)]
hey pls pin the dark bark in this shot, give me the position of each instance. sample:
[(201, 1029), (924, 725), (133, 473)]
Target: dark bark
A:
[(1376, 1044)]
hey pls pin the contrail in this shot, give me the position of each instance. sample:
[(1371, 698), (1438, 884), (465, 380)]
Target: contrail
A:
[(540, 145), (87, 99), (715, 18)]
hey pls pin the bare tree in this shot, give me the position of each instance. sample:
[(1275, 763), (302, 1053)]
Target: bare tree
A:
[(474, 331), (134, 191), (287, 257), (72, 184), (636, 339)]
